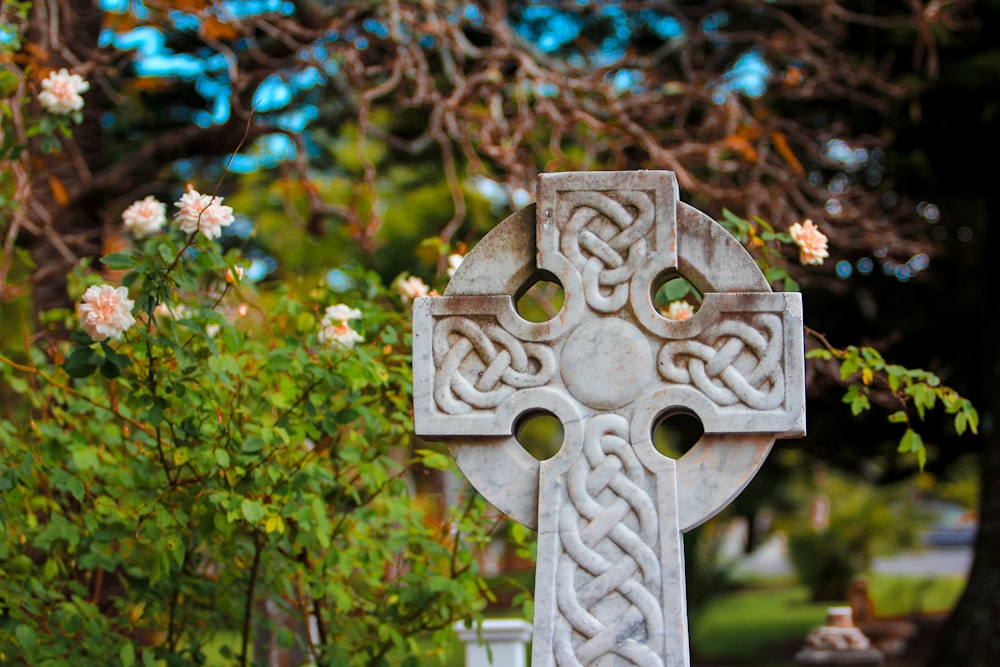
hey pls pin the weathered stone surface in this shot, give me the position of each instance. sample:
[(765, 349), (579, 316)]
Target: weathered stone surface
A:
[(609, 508)]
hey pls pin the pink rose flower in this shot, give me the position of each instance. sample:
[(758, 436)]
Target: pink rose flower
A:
[(412, 288), (61, 92), (204, 213), (811, 242), (146, 216), (680, 311), (334, 329), (106, 312)]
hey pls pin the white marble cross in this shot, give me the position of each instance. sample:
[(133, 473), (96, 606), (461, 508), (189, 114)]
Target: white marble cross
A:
[(609, 508)]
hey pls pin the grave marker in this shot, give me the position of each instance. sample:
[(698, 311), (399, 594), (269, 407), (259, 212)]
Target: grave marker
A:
[(609, 509)]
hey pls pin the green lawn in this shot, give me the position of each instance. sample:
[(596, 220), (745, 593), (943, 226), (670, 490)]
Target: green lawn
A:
[(744, 626)]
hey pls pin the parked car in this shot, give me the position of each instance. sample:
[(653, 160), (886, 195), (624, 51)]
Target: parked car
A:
[(951, 525)]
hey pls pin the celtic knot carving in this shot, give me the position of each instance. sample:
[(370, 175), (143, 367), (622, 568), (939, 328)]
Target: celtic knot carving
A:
[(734, 362), (609, 532), (480, 365), (605, 240), (609, 509)]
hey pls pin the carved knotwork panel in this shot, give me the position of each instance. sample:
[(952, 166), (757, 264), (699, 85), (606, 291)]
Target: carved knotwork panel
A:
[(730, 361), (609, 588)]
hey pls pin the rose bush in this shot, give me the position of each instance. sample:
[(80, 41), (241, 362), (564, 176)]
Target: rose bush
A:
[(165, 475)]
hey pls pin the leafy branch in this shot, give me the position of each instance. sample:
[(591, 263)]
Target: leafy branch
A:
[(915, 390), (764, 242)]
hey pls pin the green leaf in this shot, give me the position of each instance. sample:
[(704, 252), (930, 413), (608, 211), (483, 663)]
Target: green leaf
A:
[(254, 443), (25, 636), (736, 225), (857, 398), (435, 460), (305, 322), (177, 550), (85, 458), (81, 338), (127, 654), (895, 376), (346, 416), (791, 285), (118, 260), (775, 273), (75, 487), (678, 288), (924, 397), (110, 370), (82, 362), (252, 510), (182, 455), (898, 417), (973, 416), (966, 417), (166, 253), (871, 354), (819, 353), (222, 458), (911, 441)]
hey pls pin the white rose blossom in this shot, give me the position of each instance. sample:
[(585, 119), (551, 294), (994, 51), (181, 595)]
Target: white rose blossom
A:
[(341, 313), (454, 261), (145, 216), (334, 329), (61, 92), (204, 213), (106, 312), (679, 311)]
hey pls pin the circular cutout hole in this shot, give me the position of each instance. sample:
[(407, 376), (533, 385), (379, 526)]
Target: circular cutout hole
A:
[(542, 300), (676, 299), (674, 433), (540, 433)]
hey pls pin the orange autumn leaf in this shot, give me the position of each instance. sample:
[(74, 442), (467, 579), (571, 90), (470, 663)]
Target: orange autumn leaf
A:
[(214, 29), (190, 6), (741, 145), (59, 191), (150, 83), (781, 143), (36, 53)]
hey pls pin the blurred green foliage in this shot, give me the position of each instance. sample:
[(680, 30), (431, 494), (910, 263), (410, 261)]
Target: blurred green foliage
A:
[(158, 489)]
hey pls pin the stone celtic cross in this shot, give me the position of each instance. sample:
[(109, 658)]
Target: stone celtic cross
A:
[(609, 509)]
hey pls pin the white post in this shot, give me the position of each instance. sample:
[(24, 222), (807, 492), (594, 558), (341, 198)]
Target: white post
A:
[(503, 643)]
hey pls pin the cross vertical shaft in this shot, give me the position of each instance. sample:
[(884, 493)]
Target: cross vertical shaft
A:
[(605, 592)]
